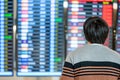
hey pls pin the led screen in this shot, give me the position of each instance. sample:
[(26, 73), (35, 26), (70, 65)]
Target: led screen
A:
[(40, 40), (118, 29), (6, 37), (78, 12)]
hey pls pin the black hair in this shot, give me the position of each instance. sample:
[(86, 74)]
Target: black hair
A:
[(95, 30)]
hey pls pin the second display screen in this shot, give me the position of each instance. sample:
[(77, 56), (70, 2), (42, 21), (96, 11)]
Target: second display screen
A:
[(78, 12)]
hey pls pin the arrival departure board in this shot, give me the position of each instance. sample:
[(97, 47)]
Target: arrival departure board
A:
[(118, 30), (40, 40), (78, 12), (6, 37)]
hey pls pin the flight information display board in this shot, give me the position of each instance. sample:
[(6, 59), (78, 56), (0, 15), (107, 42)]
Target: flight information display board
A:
[(6, 37), (40, 40), (118, 30), (78, 12)]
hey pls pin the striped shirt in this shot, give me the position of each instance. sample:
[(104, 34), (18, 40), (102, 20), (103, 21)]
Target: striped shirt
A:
[(92, 62)]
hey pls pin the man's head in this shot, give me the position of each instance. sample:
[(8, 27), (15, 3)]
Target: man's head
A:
[(95, 30)]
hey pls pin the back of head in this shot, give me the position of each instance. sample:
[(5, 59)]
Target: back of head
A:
[(95, 30)]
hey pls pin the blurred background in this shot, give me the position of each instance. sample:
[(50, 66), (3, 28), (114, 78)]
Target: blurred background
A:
[(37, 35)]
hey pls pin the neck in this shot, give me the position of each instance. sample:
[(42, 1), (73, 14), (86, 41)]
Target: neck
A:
[(89, 43), (93, 43)]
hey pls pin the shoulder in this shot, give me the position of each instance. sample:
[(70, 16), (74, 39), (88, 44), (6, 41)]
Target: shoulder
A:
[(70, 56), (111, 55)]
